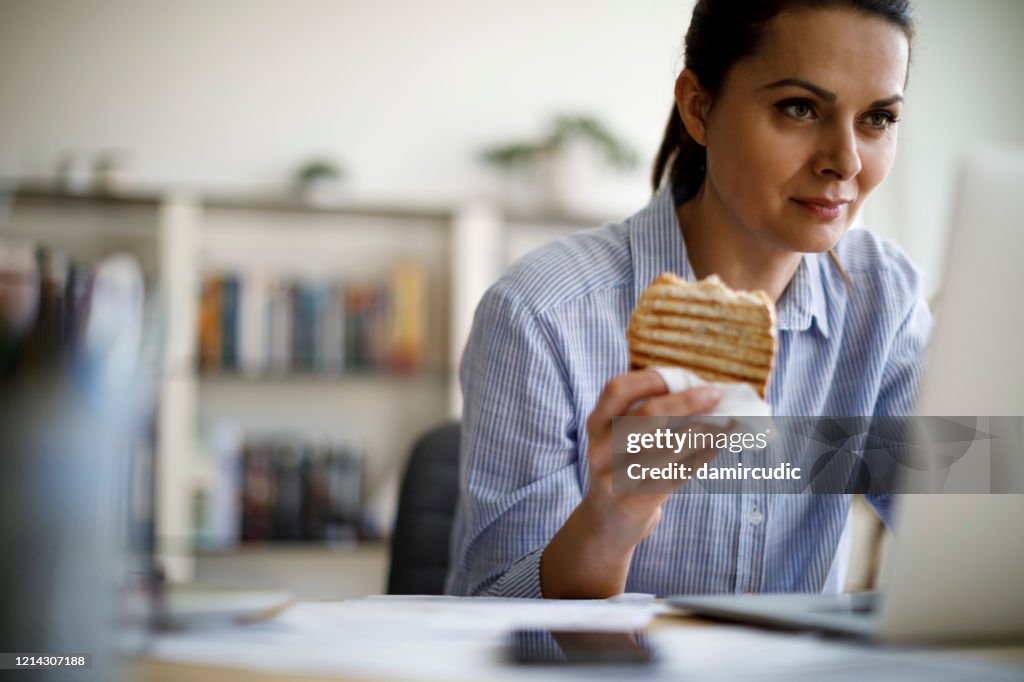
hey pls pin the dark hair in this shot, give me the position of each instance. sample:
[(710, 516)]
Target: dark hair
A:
[(721, 33)]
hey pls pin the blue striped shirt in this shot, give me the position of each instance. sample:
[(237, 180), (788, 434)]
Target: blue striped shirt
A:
[(551, 332)]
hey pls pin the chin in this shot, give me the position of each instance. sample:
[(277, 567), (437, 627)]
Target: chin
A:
[(823, 242), (810, 238)]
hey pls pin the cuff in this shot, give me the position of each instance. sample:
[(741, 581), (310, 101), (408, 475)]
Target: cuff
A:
[(522, 579)]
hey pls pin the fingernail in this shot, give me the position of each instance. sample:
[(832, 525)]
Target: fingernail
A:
[(709, 394)]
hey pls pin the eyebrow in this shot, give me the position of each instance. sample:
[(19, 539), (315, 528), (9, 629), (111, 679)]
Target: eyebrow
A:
[(824, 94)]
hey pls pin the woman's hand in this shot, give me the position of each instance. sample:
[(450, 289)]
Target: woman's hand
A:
[(589, 556), (627, 518)]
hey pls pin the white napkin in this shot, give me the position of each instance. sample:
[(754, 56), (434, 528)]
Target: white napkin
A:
[(738, 399)]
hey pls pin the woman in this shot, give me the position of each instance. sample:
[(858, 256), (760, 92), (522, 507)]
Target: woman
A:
[(784, 122)]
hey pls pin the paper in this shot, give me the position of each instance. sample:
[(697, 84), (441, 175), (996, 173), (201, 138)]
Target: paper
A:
[(738, 399), (392, 637), (430, 616), (459, 638)]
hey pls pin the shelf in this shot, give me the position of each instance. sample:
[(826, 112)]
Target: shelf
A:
[(37, 191), (279, 202), (41, 191), (187, 232), (307, 571), (296, 549), (301, 378), (286, 204)]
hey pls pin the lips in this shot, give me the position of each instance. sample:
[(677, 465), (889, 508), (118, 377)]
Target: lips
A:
[(826, 208)]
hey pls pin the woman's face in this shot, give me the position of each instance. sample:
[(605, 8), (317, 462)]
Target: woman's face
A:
[(802, 131)]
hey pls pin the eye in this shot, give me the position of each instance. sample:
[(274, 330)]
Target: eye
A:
[(880, 120), (800, 109)]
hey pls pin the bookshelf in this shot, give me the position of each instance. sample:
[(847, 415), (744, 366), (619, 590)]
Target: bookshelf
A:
[(181, 238), (307, 572)]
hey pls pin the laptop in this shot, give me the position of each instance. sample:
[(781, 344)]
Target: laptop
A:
[(957, 570)]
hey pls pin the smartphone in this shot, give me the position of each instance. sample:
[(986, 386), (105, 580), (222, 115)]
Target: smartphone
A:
[(577, 647)]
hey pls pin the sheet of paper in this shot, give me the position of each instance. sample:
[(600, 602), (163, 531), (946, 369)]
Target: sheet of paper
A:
[(393, 637), (454, 617), (449, 638)]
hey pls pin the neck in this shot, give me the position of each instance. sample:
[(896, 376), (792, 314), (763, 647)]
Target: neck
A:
[(717, 243)]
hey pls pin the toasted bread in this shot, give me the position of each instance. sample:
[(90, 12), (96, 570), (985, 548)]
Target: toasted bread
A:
[(705, 327)]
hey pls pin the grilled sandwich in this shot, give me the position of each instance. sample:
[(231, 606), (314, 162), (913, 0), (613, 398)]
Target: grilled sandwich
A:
[(705, 327)]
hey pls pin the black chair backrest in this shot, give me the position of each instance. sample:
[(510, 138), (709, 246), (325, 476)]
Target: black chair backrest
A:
[(426, 509)]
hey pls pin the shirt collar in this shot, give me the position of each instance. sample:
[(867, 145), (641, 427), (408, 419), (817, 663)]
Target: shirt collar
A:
[(803, 300), (656, 245)]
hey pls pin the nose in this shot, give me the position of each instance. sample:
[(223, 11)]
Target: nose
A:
[(838, 156)]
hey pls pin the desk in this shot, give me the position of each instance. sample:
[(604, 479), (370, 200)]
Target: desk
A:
[(450, 646)]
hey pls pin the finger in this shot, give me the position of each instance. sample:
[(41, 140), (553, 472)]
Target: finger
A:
[(625, 488), (692, 401), (725, 424), (623, 390), (692, 459)]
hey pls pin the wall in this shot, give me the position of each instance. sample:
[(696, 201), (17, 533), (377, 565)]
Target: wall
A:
[(965, 91), (232, 95)]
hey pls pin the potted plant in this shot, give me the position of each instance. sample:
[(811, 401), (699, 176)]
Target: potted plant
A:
[(568, 130), (318, 181), (561, 169)]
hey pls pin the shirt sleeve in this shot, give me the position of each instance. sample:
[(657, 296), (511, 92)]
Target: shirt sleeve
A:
[(901, 378), (518, 476)]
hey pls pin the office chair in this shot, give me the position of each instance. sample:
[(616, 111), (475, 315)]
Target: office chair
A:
[(426, 509)]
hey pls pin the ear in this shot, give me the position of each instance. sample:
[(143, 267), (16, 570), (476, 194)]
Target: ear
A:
[(693, 102)]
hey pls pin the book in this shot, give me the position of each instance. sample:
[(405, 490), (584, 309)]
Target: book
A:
[(345, 494), (316, 510), (210, 325), (280, 328), (360, 301), (253, 324), (290, 489), (229, 296), (259, 491), (289, 484), (408, 313), (331, 338)]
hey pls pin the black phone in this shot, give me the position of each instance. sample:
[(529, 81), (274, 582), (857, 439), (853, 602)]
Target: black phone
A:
[(577, 647)]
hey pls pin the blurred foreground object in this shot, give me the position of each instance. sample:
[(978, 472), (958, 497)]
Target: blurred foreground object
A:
[(19, 297), (71, 408)]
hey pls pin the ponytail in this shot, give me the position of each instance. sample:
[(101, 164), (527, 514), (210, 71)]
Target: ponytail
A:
[(669, 148), (680, 159)]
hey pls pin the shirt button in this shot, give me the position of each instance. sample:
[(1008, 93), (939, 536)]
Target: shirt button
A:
[(755, 517)]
